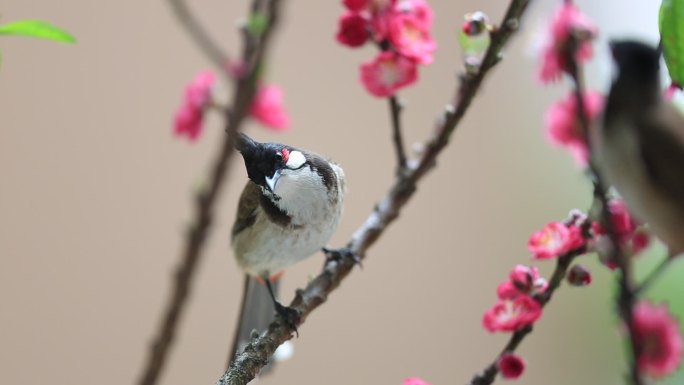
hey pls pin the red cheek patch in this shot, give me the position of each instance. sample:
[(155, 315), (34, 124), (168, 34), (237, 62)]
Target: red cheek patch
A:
[(286, 155)]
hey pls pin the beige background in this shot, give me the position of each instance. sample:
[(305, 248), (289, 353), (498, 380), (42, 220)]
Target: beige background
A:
[(95, 194)]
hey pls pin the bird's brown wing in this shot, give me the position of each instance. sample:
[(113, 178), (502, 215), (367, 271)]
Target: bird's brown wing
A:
[(247, 208), (662, 150)]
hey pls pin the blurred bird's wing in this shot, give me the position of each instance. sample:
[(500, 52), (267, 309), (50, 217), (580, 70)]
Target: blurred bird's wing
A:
[(247, 208), (662, 151)]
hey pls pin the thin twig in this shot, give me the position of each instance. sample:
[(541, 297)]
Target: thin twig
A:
[(204, 41), (257, 353), (397, 138), (627, 293), (488, 375), (205, 203)]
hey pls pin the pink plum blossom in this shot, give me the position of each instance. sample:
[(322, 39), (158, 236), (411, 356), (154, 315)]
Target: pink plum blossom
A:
[(353, 30), (355, 5), (554, 240), (567, 20), (414, 381), (563, 127), (267, 108), (419, 9), (190, 116), (387, 73), (509, 315), (411, 38), (659, 339)]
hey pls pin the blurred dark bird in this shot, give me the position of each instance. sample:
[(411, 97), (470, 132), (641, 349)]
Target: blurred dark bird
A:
[(639, 147)]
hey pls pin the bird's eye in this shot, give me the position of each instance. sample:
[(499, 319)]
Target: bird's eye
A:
[(278, 157)]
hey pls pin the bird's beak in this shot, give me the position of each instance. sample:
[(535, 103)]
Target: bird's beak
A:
[(273, 180)]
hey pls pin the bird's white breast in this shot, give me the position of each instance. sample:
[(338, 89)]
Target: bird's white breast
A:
[(268, 247)]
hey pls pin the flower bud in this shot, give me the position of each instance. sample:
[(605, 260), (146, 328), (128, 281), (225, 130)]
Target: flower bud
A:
[(475, 23), (511, 366), (579, 276)]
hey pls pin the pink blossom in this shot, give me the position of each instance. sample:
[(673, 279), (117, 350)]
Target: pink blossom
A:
[(188, 122), (671, 91), (567, 20), (640, 241), (563, 127), (190, 115), (387, 73), (411, 37), (353, 29), (511, 366), (507, 290), (420, 9), (659, 339), (523, 280), (624, 224), (267, 108), (414, 381), (554, 240), (526, 280), (355, 5), (509, 315)]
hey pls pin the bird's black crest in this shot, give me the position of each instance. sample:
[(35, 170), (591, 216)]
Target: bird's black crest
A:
[(261, 159), (636, 61)]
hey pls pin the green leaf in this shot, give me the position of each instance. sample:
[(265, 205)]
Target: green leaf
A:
[(38, 29), (671, 23), (257, 24)]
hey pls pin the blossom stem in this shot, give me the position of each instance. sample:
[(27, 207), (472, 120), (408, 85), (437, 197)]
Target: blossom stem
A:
[(627, 293), (395, 113), (257, 353), (206, 200)]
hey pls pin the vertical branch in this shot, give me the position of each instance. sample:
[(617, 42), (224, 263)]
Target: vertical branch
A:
[(627, 293), (205, 201), (397, 138)]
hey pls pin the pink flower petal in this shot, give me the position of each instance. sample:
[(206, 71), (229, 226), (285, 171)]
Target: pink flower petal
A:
[(387, 73), (267, 108)]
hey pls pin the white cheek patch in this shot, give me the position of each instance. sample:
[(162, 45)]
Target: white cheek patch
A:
[(295, 160)]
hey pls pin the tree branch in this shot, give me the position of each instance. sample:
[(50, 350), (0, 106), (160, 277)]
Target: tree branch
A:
[(205, 200), (257, 353), (488, 375), (397, 138), (201, 37), (627, 293)]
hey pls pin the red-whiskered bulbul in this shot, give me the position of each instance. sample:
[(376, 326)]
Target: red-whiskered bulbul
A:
[(639, 147), (288, 211)]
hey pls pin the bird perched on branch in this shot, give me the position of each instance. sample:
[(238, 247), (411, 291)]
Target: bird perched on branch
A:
[(288, 211), (640, 145)]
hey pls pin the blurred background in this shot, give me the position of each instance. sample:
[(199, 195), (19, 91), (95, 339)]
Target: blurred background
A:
[(95, 196)]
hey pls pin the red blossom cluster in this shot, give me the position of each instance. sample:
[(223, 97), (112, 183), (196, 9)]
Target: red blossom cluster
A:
[(266, 108), (660, 340), (517, 306), (190, 115), (563, 127), (568, 22), (401, 28), (631, 235)]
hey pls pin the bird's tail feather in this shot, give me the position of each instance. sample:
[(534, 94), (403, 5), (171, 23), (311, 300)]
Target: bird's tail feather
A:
[(256, 313)]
